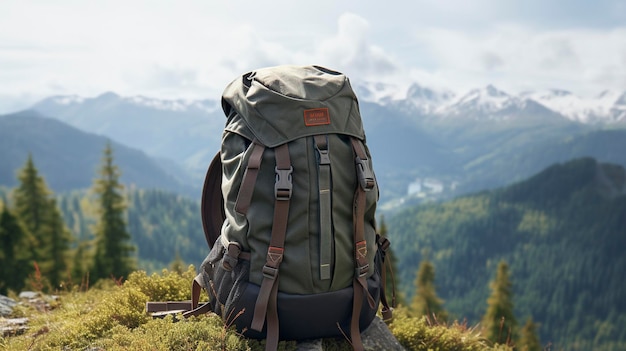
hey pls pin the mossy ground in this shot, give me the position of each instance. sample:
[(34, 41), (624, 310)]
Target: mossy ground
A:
[(112, 317)]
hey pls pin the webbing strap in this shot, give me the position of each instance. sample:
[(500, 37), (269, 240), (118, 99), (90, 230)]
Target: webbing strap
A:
[(196, 309), (196, 289), (387, 310), (266, 300), (324, 181), (242, 204), (360, 245)]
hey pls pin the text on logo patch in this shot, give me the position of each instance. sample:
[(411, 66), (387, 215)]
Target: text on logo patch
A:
[(316, 117)]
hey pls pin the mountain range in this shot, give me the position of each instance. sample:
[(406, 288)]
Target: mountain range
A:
[(606, 108), (481, 139)]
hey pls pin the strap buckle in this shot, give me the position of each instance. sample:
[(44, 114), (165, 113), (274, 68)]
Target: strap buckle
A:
[(274, 258), (383, 243), (361, 271), (324, 158), (231, 258), (283, 186), (364, 174), (270, 272)]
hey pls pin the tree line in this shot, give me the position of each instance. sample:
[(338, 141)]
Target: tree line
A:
[(39, 251), (498, 324), (562, 234)]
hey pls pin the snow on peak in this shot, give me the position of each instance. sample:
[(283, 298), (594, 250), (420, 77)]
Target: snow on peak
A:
[(487, 99), (158, 104), (427, 100), (603, 108), (488, 102), (179, 105)]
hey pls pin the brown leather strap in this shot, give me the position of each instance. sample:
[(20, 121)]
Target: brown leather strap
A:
[(271, 341), (387, 310), (366, 179), (266, 300), (202, 309), (355, 331), (249, 178), (152, 306), (196, 289)]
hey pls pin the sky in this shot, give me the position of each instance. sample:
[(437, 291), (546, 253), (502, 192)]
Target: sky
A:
[(192, 49)]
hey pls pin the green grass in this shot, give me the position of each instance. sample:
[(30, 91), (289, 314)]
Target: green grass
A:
[(112, 316)]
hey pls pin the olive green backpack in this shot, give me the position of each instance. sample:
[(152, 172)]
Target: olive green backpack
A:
[(289, 211)]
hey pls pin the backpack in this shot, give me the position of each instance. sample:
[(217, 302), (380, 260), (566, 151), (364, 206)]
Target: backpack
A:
[(288, 210)]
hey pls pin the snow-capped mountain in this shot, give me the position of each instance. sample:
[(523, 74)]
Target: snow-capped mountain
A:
[(415, 131), (427, 100), (608, 107), (178, 105), (489, 103)]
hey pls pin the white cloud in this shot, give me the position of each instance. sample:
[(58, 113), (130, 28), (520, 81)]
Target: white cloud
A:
[(515, 58), (194, 48), (350, 50)]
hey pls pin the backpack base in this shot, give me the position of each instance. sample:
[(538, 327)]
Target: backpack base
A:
[(305, 316)]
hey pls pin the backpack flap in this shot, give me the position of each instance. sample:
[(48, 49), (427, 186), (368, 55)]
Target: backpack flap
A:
[(271, 101)]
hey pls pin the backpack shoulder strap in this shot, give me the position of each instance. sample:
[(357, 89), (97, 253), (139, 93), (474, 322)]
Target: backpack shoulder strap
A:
[(212, 202), (265, 308)]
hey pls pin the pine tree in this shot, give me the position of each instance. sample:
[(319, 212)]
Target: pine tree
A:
[(32, 204), (14, 255), (38, 211), (113, 249), (499, 321), (529, 341), (425, 301)]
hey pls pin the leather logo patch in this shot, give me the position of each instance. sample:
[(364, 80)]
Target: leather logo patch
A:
[(316, 117)]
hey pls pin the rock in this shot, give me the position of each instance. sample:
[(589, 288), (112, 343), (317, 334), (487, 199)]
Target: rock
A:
[(37, 300), (376, 337), (13, 326), (29, 295), (6, 306), (310, 345)]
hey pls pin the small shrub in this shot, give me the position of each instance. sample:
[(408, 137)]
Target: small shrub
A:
[(167, 286), (419, 334)]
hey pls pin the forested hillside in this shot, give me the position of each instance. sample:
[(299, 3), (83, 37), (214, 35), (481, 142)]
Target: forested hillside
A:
[(164, 226), (563, 234)]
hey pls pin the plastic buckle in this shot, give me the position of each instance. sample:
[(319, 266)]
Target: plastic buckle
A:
[(324, 158), (283, 186), (269, 272), (231, 258), (365, 174), (383, 243), (361, 272)]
